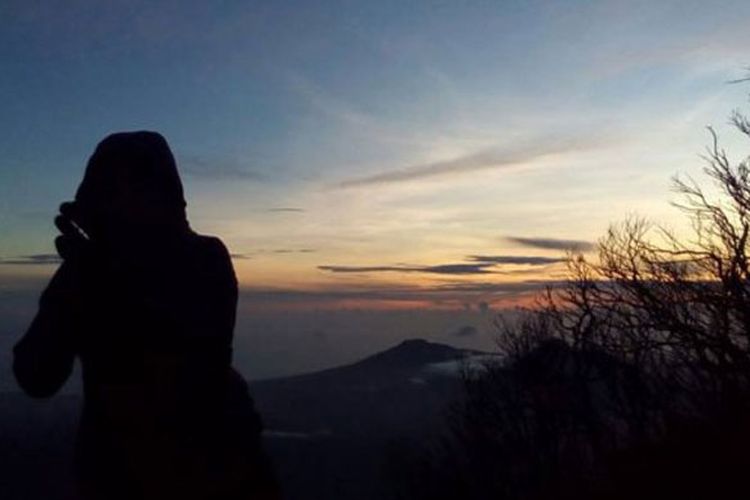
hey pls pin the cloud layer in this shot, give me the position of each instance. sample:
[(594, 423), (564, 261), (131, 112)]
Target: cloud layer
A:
[(286, 210), (38, 259), (439, 269), (553, 243), (527, 260), (508, 156), (204, 168), (447, 291), (478, 264)]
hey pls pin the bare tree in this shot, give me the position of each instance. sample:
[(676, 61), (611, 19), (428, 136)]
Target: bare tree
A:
[(644, 346)]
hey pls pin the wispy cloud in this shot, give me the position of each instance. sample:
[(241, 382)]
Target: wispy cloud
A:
[(553, 243), (38, 259), (285, 210), (293, 250), (476, 264), (438, 269), (499, 288), (403, 292), (502, 157), (466, 331), (527, 260), (353, 118), (460, 293), (273, 251), (240, 256), (202, 167)]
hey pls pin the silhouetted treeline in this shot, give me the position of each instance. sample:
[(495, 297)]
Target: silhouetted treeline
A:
[(632, 380)]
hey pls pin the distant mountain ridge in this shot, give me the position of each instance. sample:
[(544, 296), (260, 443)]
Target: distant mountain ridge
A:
[(409, 355), (329, 431), (414, 353), (359, 397), (326, 430)]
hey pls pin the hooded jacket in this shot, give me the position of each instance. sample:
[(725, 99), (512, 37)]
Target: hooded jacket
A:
[(149, 311)]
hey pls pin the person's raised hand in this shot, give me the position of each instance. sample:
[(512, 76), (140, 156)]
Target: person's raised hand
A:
[(72, 242), (71, 284)]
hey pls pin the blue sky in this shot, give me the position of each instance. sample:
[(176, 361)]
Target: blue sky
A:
[(403, 136)]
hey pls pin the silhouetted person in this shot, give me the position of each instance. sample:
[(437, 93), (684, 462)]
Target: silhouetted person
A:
[(148, 306)]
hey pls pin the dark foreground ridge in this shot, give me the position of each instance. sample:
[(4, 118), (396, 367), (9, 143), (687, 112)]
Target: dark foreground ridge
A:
[(327, 431)]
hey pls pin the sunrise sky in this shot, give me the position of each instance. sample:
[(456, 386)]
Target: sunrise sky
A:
[(391, 154)]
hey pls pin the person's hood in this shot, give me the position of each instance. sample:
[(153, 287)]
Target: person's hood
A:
[(145, 162)]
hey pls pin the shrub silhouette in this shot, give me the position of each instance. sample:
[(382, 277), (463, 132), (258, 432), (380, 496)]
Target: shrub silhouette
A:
[(631, 379)]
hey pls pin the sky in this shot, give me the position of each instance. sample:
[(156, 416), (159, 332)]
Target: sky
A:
[(368, 154)]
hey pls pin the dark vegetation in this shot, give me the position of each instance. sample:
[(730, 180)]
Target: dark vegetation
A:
[(326, 432), (630, 381)]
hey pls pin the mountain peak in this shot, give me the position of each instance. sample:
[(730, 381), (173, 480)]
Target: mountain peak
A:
[(413, 353)]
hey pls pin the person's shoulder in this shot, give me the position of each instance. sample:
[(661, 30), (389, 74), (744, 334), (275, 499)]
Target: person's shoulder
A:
[(210, 250), (210, 245)]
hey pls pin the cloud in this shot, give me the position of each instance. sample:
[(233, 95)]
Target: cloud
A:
[(363, 269), (285, 209), (466, 331), (527, 260), (456, 269), (198, 166), (694, 52), (513, 155), (34, 259), (478, 264), (240, 256), (480, 268), (350, 116), (488, 296), (553, 243), (275, 251), (460, 291), (293, 250), (498, 288)]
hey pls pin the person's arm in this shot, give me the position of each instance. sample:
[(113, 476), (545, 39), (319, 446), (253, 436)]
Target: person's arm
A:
[(219, 297), (43, 358), (200, 311), (210, 317)]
